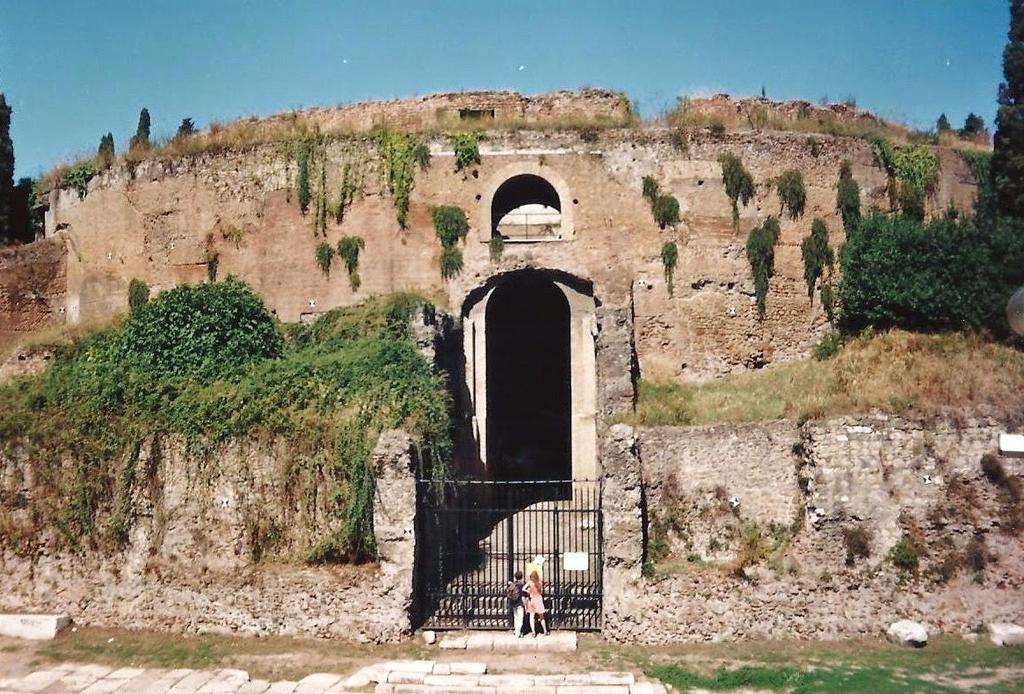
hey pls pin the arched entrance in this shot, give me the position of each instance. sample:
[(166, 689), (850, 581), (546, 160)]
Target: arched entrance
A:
[(531, 376), (529, 421)]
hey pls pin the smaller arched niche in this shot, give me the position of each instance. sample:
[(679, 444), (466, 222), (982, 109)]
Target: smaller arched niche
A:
[(527, 207)]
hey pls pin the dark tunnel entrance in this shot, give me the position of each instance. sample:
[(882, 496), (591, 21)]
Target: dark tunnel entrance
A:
[(529, 421)]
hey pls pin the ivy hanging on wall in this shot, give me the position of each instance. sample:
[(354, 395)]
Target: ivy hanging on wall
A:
[(348, 250), (817, 255), (496, 247), (665, 208), (302, 190), (467, 150), (847, 197), (669, 258), (321, 202), (792, 194), (400, 152), (739, 184), (451, 226), (913, 172), (324, 257), (761, 254)]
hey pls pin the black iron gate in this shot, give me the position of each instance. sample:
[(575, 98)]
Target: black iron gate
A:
[(473, 536)]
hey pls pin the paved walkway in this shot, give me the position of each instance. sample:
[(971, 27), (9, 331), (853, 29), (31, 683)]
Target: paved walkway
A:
[(391, 677), (504, 640)]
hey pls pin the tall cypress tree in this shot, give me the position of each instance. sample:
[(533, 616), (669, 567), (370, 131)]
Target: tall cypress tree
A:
[(6, 170), (1008, 156), (140, 140), (106, 153)]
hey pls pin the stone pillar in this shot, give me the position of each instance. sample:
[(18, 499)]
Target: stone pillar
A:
[(622, 505), (615, 389), (394, 521)]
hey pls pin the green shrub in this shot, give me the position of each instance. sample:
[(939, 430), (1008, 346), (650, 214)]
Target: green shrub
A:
[(948, 274), (451, 262), (138, 295), (421, 155), (817, 255), (913, 167), (847, 197), (212, 265), (906, 555), (739, 184), (666, 211), (912, 202), (302, 188), (204, 330), (78, 177), (324, 254), (761, 255), (467, 150), (650, 189), (450, 224), (186, 129), (679, 141), (326, 395), (828, 346), (858, 543), (105, 154), (669, 257), (792, 195)]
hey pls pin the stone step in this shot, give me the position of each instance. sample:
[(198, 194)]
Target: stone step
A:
[(562, 641), (390, 677), (33, 626)]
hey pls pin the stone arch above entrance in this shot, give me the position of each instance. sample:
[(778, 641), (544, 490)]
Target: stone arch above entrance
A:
[(527, 202), (528, 339)]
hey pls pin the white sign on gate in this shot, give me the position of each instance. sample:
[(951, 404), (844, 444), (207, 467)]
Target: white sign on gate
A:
[(575, 561)]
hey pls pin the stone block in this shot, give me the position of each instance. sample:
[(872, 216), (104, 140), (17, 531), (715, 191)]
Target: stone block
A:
[(612, 678), (641, 688), (317, 683), (505, 682), (593, 689), (468, 668), (483, 642), (81, 676), (37, 681), (1006, 634), (282, 687), (191, 682), (363, 677), (452, 680), (429, 637), (403, 677), (39, 627), (226, 680), (907, 633), (424, 666), (442, 669), (383, 688), (254, 687), (455, 643)]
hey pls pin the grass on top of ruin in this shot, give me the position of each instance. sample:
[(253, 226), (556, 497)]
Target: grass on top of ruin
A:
[(894, 372)]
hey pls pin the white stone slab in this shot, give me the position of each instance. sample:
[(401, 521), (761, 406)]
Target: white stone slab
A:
[(317, 683), (40, 627), (225, 681), (81, 676), (1011, 444), (424, 666), (468, 668), (612, 678), (254, 687), (1006, 634), (37, 681), (456, 643), (192, 682), (283, 687)]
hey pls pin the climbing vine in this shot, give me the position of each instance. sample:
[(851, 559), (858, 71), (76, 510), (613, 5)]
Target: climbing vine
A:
[(847, 197), (321, 202), (913, 172), (399, 152), (467, 150), (451, 226), (817, 255), (669, 258), (761, 254), (348, 250), (346, 193), (665, 208), (302, 189), (792, 194), (324, 254), (739, 184)]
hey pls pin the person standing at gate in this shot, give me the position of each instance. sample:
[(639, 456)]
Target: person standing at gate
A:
[(535, 603), (517, 603)]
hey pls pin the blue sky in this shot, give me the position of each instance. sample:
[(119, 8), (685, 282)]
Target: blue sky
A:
[(73, 70)]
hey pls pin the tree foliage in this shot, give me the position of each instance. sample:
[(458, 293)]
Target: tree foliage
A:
[(105, 153), (974, 125), (739, 184), (186, 128), (942, 124), (6, 170), (451, 262), (450, 224), (817, 255), (761, 254), (950, 273), (847, 197), (1008, 152), (792, 194), (649, 186)]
